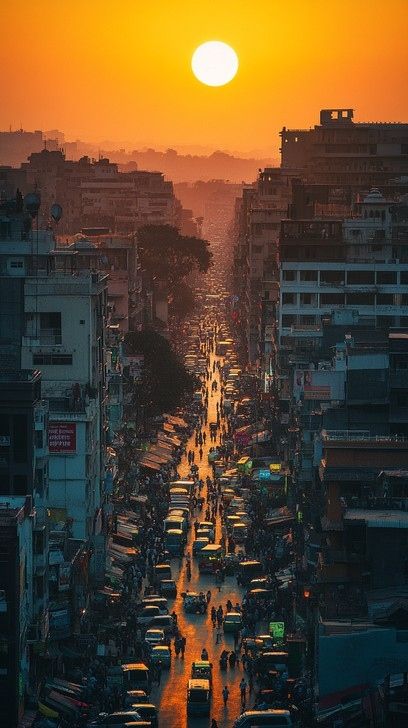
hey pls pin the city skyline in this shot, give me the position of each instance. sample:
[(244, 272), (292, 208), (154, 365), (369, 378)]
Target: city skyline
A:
[(140, 60)]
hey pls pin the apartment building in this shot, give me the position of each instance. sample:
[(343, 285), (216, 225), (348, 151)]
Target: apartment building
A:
[(341, 152), (359, 264), (54, 320)]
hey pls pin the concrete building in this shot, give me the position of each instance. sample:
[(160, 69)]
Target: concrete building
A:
[(17, 521), (58, 318), (341, 152)]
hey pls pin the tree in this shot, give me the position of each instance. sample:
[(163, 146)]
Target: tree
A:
[(169, 256), (182, 301), (165, 381)]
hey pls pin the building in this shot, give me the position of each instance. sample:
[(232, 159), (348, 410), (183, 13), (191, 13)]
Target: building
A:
[(346, 154), (17, 521), (58, 318)]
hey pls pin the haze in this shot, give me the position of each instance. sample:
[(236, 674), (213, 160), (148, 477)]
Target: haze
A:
[(122, 70)]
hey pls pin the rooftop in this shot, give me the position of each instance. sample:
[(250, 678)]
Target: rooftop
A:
[(378, 518)]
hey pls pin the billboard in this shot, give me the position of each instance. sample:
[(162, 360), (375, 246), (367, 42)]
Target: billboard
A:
[(62, 437), (318, 384)]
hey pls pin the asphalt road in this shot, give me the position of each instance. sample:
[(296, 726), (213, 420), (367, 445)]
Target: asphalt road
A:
[(171, 695)]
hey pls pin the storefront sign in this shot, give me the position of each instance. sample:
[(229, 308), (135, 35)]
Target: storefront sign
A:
[(62, 437), (277, 630)]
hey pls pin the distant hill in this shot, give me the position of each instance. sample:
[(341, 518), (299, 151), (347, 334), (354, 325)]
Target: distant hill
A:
[(189, 168)]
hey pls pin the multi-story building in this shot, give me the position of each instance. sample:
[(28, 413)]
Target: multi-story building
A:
[(17, 523), (58, 317), (342, 153), (331, 265)]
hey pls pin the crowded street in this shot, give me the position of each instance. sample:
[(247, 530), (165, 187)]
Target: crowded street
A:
[(196, 623)]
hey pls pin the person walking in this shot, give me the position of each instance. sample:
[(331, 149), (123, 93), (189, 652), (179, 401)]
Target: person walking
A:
[(243, 688), (159, 672), (214, 723), (225, 695), (183, 646)]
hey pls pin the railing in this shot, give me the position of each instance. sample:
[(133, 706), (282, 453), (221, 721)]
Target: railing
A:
[(363, 435)]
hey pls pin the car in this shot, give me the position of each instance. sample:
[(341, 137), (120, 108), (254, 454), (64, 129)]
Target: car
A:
[(202, 669), (135, 696), (119, 718), (168, 587), (148, 711), (154, 637), (147, 614), (199, 544), (208, 525), (164, 622), (195, 603), (232, 622), (264, 719), (156, 601), (204, 533), (161, 653)]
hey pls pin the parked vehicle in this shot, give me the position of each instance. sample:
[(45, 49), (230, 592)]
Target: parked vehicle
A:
[(164, 622), (199, 544), (154, 637), (135, 696), (156, 601), (271, 718), (168, 588), (147, 614), (135, 676), (148, 712), (161, 653), (248, 570), (118, 718), (175, 541)]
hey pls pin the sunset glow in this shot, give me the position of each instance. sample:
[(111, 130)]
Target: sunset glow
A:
[(294, 58)]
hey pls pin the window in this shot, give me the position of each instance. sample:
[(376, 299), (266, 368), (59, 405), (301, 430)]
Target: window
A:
[(288, 299), (385, 299), (404, 278), (308, 275), (39, 439), (290, 275), (360, 299), (307, 320), (307, 299), (326, 299), (355, 277), (257, 249), (39, 542), (52, 359), (16, 264), (50, 320), (386, 277), (288, 320), (332, 276)]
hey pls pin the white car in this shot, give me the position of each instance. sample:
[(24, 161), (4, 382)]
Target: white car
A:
[(154, 637)]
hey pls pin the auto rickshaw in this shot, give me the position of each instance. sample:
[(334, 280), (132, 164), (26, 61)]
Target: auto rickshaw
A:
[(198, 697), (202, 669)]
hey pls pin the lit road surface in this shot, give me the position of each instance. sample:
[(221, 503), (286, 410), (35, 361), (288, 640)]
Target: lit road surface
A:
[(171, 695)]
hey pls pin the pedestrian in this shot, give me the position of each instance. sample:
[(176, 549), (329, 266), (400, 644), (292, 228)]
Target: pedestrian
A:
[(159, 672), (225, 695), (214, 723), (243, 688), (183, 646), (201, 453)]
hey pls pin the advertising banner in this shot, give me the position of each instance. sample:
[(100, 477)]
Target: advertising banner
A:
[(62, 437)]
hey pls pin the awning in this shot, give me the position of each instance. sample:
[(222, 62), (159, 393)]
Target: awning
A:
[(170, 439), (149, 464), (177, 421)]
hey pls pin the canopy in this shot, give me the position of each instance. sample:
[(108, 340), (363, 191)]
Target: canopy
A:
[(146, 463)]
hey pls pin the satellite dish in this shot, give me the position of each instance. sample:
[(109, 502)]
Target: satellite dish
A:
[(56, 212), (32, 202)]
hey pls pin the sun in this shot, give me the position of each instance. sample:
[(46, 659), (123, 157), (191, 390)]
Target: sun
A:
[(214, 63)]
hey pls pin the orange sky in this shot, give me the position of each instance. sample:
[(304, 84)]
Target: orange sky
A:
[(120, 69)]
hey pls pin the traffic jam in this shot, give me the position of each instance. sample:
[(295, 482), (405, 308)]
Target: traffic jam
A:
[(196, 624)]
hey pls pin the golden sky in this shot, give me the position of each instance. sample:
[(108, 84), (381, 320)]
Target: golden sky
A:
[(120, 69)]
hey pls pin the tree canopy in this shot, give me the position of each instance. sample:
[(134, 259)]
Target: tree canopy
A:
[(164, 380), (169, 256)]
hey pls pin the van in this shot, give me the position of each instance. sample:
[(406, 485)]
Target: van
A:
[(164, 622), (135, 676)]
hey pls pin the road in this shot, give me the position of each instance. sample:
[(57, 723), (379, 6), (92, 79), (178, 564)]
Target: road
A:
[(171, 695)]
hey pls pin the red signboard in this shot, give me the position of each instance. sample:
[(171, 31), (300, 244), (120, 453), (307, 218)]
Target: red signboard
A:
[(62, 437)]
